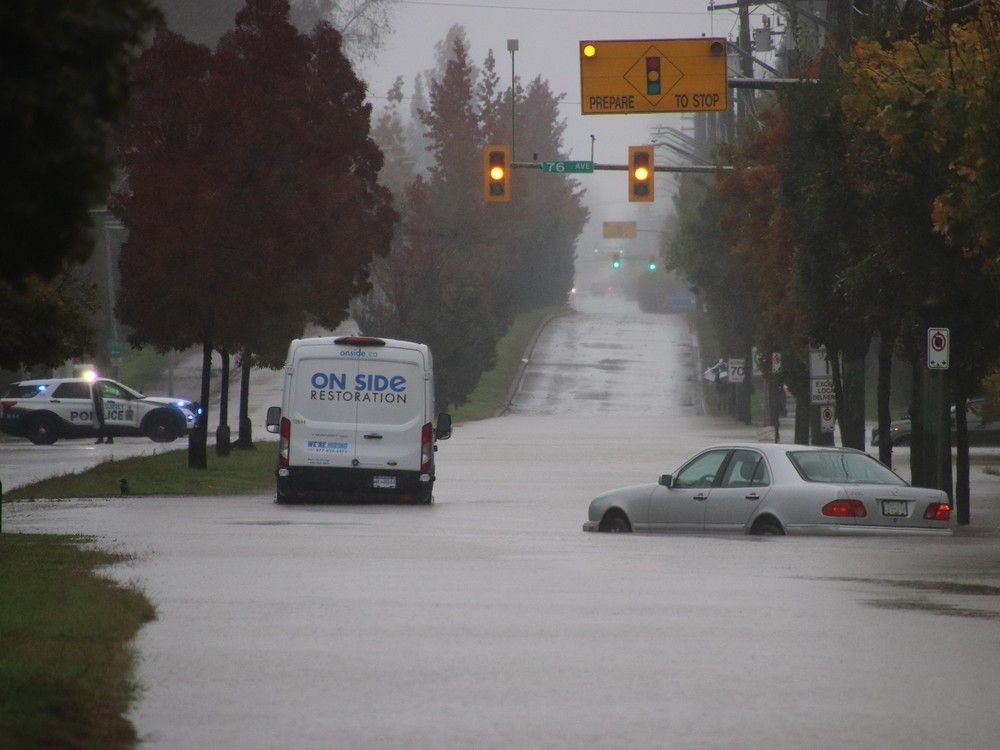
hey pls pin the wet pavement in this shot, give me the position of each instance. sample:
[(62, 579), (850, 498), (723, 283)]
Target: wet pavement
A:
[(490, 620)]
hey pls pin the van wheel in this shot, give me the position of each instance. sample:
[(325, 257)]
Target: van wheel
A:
[(42, 430)]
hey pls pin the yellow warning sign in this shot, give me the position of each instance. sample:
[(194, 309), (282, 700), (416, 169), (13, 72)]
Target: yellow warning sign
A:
[(653, 75)]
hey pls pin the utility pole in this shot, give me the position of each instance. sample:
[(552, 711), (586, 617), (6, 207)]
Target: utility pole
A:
[(746, 61), (745, 108)]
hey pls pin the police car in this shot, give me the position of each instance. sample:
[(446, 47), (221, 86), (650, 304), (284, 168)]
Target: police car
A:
[(47, 409)]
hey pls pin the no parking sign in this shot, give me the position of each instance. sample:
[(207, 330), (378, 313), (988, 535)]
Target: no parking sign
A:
[(938, 348), (826, 418)]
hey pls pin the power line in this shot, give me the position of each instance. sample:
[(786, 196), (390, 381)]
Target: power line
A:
[(541, 9)]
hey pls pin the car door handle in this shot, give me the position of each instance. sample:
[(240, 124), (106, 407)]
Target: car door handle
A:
[(700, 497), (753, 496), (373, 436)]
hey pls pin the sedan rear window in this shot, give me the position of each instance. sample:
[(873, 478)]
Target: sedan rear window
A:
[(840, 467)]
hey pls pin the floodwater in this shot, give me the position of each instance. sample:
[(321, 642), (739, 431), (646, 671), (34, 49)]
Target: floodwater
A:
[(490, 620)]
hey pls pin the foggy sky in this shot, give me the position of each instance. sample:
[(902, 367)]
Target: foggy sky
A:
[(548, 42)]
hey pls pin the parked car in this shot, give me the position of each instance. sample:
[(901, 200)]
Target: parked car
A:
[(47, 409), (981, 431), (759, 488)]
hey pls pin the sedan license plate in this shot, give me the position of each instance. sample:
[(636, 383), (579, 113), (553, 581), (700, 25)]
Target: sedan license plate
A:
[(894, 508), (384, 483)]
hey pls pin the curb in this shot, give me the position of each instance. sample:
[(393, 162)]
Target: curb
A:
[(526, 358)]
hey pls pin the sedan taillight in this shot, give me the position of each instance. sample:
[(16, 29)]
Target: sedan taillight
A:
[(937, 512), (845, 509)]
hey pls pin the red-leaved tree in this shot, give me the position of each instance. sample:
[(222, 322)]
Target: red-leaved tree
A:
[(251, 201)]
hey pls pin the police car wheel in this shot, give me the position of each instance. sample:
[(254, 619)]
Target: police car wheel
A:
[(42, 430), (161, 429)]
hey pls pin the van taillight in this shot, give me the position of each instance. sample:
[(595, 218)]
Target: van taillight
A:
[(283, 442), (426, 448), (7, 404), (845, 508), (937, 512)]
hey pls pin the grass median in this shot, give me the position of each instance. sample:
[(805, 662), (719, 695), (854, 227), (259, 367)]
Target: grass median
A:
[(490, 395), (242, 471), (66, 670)]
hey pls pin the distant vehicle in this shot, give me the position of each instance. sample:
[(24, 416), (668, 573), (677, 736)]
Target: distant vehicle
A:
[(355, 420), (47, 409), (761, 488), (981, 433)]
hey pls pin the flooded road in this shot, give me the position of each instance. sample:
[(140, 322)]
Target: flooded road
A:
[(490, 620)]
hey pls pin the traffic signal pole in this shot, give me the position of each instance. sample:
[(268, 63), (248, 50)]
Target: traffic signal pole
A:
[(708, 168)]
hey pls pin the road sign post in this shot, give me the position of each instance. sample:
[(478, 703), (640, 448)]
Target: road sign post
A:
[(620, 77)]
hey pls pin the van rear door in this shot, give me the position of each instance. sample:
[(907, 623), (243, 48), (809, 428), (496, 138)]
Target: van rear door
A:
[(322, 408), (390, 394)]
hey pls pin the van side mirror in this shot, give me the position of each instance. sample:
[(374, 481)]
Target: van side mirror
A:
[(666, 479), (273, 419), (443, 429)]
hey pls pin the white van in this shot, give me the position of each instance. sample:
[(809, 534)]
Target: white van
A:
[(355, 420)]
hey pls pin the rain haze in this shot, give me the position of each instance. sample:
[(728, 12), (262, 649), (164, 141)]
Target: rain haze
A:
[(548, 35)]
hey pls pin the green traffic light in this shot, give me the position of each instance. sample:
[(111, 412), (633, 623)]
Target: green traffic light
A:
[(652, 266), (616, 264)]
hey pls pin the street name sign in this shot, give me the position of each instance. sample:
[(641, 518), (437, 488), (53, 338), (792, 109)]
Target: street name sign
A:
[(625, 230), (571, 167), (620, 77)]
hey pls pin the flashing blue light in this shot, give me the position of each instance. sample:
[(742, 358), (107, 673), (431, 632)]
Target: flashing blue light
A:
[(200, 410), (43, 387)]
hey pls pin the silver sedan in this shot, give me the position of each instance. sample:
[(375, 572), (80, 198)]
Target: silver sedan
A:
[(763, 488)]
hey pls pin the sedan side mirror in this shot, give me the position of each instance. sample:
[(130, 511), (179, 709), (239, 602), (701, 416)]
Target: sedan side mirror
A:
[(273, 419), (443, 429), (666, 479)]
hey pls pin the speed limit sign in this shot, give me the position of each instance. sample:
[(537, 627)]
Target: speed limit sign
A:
[(938, 348)]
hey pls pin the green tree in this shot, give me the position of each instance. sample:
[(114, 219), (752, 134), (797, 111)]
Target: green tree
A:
[(65, 83), (697, 248), (932, 101)]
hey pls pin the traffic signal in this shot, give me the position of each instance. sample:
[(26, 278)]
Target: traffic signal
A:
[(652, 263), (640, 173), (616, 259), (496, 174)]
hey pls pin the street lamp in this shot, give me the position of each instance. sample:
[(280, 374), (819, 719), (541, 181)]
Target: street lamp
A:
[(512, 47)]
